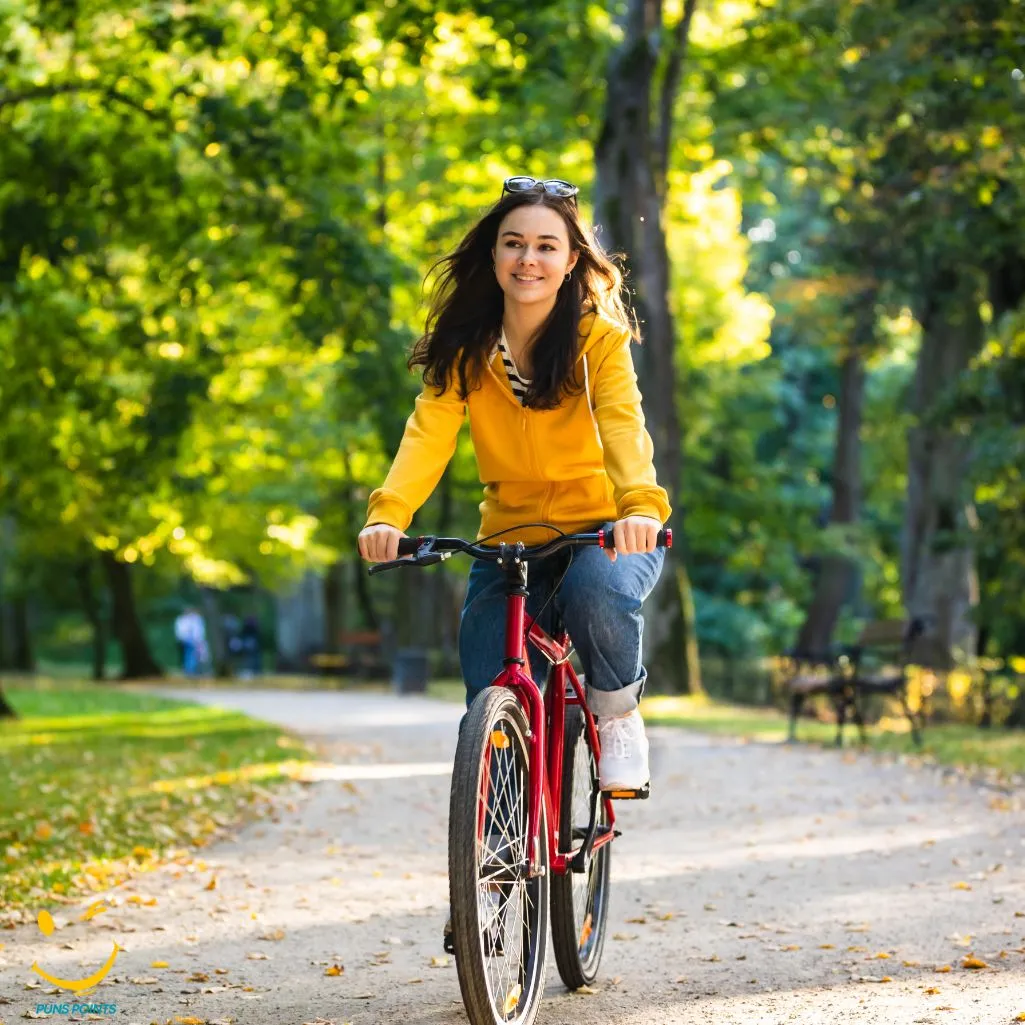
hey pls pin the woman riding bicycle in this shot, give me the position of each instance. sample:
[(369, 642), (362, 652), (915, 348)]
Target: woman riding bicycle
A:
[(528, 334)]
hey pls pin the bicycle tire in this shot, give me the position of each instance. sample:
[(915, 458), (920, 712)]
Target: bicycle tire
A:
[(580, 901), (504, 987)]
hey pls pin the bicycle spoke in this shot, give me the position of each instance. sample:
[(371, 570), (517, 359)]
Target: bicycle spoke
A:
[(500, 913), (506, 906)]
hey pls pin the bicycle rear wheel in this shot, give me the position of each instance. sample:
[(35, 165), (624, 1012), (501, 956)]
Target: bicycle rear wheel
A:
[(499, 913), (580, 900)]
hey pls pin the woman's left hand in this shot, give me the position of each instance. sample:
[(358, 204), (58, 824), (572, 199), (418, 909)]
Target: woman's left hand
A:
[(634, 534)]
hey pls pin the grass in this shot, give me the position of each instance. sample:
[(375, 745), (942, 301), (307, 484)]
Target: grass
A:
[(101, 782), (954, 744)]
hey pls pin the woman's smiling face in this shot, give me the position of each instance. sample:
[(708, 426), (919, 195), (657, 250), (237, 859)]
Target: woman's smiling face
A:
[(532, 254)]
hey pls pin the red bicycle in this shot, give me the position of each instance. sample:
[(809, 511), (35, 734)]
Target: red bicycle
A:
[(530, 831)]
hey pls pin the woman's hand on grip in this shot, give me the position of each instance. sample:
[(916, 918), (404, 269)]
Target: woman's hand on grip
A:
[(634, 534), (379, 542)]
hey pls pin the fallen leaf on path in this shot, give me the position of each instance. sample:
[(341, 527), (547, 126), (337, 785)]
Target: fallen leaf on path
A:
[(943, 969), (221, 971), (212, 885), (961, 886), (257, 957), (189, 1020), (827, 946), (1020, 1017), (931, 991), (587, 990), (881, 956), (623, 936), (138, 981), (410, 982), (439, 962), (791, 946), (274, 935), (334, 970), (911, 964), (639, 920), (159, 964), (512, 998), (198, 977), (971, 961)]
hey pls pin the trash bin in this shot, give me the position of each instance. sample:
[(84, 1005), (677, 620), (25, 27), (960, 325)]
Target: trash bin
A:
[(410, 671)]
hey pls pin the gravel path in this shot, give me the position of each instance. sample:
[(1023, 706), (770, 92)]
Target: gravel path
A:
[(759, 884)]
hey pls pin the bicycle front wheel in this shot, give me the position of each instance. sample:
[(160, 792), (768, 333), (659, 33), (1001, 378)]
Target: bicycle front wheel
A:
[(499, 913), (580, 900)]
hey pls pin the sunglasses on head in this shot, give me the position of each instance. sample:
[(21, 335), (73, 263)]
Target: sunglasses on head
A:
[(553, 186)]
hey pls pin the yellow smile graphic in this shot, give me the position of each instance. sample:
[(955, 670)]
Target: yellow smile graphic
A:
[(77, 986)]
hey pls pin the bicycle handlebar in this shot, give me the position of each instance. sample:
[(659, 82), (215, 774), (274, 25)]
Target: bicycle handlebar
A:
[(428, 550)]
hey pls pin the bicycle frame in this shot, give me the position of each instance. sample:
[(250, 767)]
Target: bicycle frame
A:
[(546, 751)]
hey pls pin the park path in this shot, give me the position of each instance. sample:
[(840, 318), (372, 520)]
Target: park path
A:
[(760, 884)]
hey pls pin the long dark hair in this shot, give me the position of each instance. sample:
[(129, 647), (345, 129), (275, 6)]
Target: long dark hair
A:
[(464, 318)]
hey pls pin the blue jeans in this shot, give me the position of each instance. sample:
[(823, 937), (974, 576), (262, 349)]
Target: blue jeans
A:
[(599, 602)]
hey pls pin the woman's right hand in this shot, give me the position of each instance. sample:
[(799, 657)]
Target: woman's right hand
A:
[(379, 542)]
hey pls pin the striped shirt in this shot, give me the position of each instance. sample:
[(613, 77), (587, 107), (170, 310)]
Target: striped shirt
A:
[(519, 383)]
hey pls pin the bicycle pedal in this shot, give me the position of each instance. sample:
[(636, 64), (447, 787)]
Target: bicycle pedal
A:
[(622, 794)]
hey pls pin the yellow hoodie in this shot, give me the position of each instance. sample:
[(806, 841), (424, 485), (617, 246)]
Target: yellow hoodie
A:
[(585, 462)]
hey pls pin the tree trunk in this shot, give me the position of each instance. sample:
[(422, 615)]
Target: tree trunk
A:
[(938, 562), (629, 210), (300, 623), (365, 600), (837, 573), (334, 606), (137, 660), (91, 608), (19, 635), (6, 709), (219, 656)]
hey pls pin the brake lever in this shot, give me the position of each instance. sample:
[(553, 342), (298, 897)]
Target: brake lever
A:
[(427, 559)]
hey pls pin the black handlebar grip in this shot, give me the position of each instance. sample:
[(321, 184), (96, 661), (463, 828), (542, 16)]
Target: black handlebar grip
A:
[(409, 545), (607, 540)]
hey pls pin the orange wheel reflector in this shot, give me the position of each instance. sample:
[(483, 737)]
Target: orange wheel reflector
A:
[(585, 931), (512, 998), (499, 740)]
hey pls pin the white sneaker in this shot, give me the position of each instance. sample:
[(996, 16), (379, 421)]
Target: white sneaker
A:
[(623, 764)]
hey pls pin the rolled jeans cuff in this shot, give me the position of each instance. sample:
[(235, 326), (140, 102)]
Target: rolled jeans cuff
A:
[(609, 703)]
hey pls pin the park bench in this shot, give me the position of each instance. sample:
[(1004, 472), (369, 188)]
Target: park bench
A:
[(360, 653), (876, 664)]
